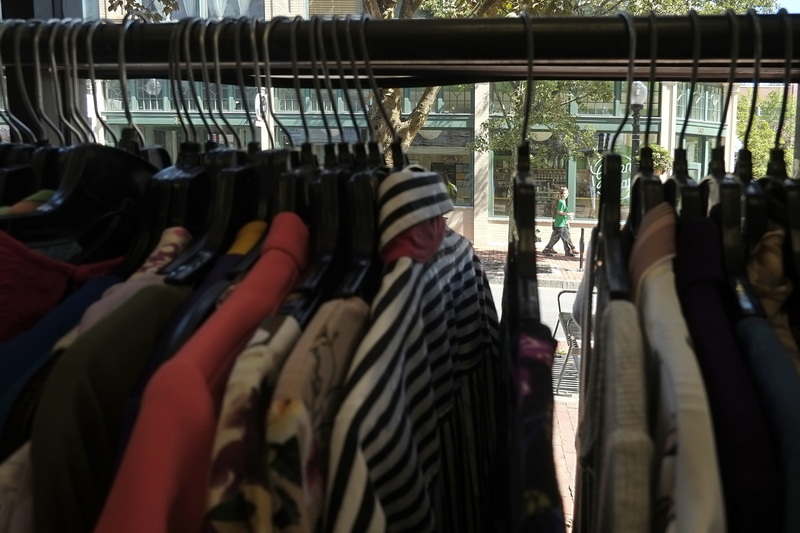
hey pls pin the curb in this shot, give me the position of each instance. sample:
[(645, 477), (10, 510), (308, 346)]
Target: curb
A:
[(551, 283)]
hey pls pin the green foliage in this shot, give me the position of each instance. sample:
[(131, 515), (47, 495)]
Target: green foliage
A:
[(765, 126), (550, 112), (704, 7), (662, 159), (150, 10)]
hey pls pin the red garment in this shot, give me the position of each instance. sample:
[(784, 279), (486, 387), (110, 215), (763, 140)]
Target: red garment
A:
[(163, 480), (32, 284)]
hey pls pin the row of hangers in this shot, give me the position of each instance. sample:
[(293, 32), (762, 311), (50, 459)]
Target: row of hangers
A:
[(117, 200), (742, 204)]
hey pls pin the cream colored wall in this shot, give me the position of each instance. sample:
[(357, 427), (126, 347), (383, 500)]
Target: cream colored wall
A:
[(481, 161)]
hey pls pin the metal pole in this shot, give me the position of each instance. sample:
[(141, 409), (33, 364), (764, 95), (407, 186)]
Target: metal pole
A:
[(637, 108)]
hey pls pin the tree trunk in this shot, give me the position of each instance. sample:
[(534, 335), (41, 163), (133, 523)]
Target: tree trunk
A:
[(405, 130)]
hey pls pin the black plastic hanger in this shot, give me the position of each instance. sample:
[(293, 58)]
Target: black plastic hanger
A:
[(612, 250), (521, 263), (375, 157), (680, 189), (131, 136), (17, 176), (320, 212), (722, 194), (167, 194), (755, 214), (230, 181), (646, 189), (99, 200), (358, 236), (399, 157)]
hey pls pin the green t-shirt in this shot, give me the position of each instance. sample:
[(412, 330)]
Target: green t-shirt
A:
[(559, 221)]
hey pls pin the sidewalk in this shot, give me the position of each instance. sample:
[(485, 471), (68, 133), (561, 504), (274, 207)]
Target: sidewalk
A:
[(552, 271)]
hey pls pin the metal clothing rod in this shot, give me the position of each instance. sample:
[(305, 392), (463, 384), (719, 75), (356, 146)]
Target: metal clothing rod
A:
[(421, 52)]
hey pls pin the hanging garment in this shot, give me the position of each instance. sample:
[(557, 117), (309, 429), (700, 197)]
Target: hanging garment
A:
[(246, 239), (174, 433), (765, 273), (746, 449), (688, 489), (302, 412), (615, 449), (23, 355), (778, 386), (173, 242), (31, 284), (239, 493), (626, 453), (12, 486), (404, 446), (542, 508), (76, 429)]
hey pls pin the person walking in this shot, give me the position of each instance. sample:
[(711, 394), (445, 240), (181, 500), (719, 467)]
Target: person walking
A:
[(561, 227)]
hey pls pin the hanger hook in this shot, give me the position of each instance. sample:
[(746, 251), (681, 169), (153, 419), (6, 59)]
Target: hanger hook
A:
[(652, 81), (20, 27), (237, 54), (356, 78), (187, 38), (327, 75), (69, 112), (787, 73), (215, 31), (123, 75), (8, 116), (342, 80), (38, 84), (260, 108), (371, 77), (757, 50), (734, 24), (84, 121), (203, 27), (56, 26), (93, 78), (174, 76), (695, 24), (296, 73), (268, 80), (68, 42), (312, 52), (244, 24), (628, 20)]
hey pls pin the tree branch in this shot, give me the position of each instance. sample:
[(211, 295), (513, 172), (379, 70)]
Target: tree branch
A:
[(372, 8), (419, 115)]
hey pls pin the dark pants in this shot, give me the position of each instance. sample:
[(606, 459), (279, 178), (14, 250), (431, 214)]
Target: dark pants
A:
[(563, 234)]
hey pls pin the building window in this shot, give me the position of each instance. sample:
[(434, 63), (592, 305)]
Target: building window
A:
[(456, 99), (450, 99), (149, 94), (445, 151), (706, 104), (502, 176)]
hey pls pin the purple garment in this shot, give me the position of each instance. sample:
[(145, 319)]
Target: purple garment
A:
[(534, 388), (746, 448), (131, 410)]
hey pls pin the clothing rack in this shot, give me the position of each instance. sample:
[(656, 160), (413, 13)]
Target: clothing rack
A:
[(423, 52)]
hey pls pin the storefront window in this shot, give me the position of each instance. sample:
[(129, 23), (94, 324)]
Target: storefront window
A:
[(502, 174), (446, 152)]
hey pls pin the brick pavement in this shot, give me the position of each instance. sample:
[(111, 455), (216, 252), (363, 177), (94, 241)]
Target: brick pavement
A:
[(565, 424)]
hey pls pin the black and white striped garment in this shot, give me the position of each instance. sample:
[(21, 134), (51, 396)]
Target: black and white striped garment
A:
[(412, 444)]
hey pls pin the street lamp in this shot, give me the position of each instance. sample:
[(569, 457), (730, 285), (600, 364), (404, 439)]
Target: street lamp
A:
[(638, 98)]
